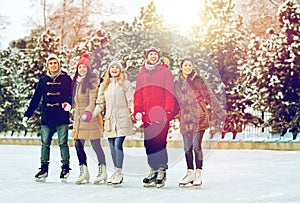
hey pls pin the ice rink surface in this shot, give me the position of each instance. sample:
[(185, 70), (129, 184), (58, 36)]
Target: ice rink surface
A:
[(228, 176)]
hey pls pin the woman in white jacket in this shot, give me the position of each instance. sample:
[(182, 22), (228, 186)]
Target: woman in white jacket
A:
[(115, 97)]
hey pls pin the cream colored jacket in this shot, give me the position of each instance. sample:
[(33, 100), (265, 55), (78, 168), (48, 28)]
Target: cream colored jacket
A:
[(117, 104)]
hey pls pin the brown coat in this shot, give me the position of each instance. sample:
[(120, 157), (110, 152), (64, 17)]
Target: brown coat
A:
[(192, 97), (82, 103)]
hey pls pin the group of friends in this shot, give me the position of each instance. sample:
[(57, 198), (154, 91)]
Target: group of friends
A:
[(110, 107)]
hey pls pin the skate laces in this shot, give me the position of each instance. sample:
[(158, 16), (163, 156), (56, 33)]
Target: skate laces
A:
[(42, 170), (99, 171), (113, 175), (189, 176), (161, 173), (198, 173), (81, 171), (152, 174), (65, 166), (186, 176)]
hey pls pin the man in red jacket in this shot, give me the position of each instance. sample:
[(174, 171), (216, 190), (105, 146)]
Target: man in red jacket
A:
[(154, 104)]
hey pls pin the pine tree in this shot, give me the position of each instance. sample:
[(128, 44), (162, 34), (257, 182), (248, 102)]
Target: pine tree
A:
[(274, 70), (255, 19), (128, 41), (13, 92), (224, 40)]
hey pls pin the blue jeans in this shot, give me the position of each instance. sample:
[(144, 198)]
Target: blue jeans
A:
[(116, 150), (46, 138), (96, 144), (155, 142), (192, 142)]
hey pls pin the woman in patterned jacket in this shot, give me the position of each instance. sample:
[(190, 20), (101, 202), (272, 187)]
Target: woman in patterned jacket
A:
[(194, 100)]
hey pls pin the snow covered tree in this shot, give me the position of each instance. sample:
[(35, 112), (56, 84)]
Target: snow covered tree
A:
[(73, 19), (223, 38), (127, 42), (255, 19), (149, 19), (274, 71), (93, 44), (13, 93)]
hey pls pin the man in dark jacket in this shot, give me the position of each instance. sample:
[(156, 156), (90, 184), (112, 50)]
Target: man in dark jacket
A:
[(54, 89)]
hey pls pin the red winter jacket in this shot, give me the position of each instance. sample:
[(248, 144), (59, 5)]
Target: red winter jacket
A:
[(154, 94)]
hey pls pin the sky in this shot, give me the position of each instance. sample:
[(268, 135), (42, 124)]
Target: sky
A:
[(175, 12)]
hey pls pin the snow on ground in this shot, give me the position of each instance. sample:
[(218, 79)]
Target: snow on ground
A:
[(229, 176)]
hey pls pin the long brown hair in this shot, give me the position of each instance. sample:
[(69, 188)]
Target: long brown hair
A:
[(87, 82)]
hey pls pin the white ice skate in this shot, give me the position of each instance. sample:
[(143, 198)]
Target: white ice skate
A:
[(198, 178), (102, 175), (83, 176), (188, 178), (161, 178), (109, 180), (118, 178)]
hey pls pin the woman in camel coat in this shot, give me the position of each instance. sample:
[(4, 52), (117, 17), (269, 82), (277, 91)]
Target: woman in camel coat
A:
[(85, 88)]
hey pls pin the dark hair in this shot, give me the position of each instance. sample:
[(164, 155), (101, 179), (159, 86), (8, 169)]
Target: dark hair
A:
[(86, 83), (186, 59)]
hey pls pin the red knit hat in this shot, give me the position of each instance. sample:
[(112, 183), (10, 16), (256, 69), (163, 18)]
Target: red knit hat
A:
[(85, 59), (152, 49)]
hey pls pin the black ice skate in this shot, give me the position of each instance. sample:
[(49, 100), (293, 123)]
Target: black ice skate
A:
[(42, 174), (65, 172), (150, 181), (161, 178)]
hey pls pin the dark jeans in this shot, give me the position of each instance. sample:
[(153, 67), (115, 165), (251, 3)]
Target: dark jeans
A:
[(192, 142), (46, 139), (155, 142), (116, 150), (96, 144)]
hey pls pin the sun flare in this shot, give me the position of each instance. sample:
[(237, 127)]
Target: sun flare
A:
[(181, 13)]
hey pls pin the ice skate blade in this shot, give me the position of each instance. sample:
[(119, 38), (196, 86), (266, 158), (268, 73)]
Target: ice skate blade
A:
[(40, 180), (82, 182), (152, 184), (64, 180), (160, 185), (116, 184), (185, 185), (197, 185), (98, 182), (65, 177)]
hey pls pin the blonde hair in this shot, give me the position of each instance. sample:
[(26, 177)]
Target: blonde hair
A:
[(106, 80)]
